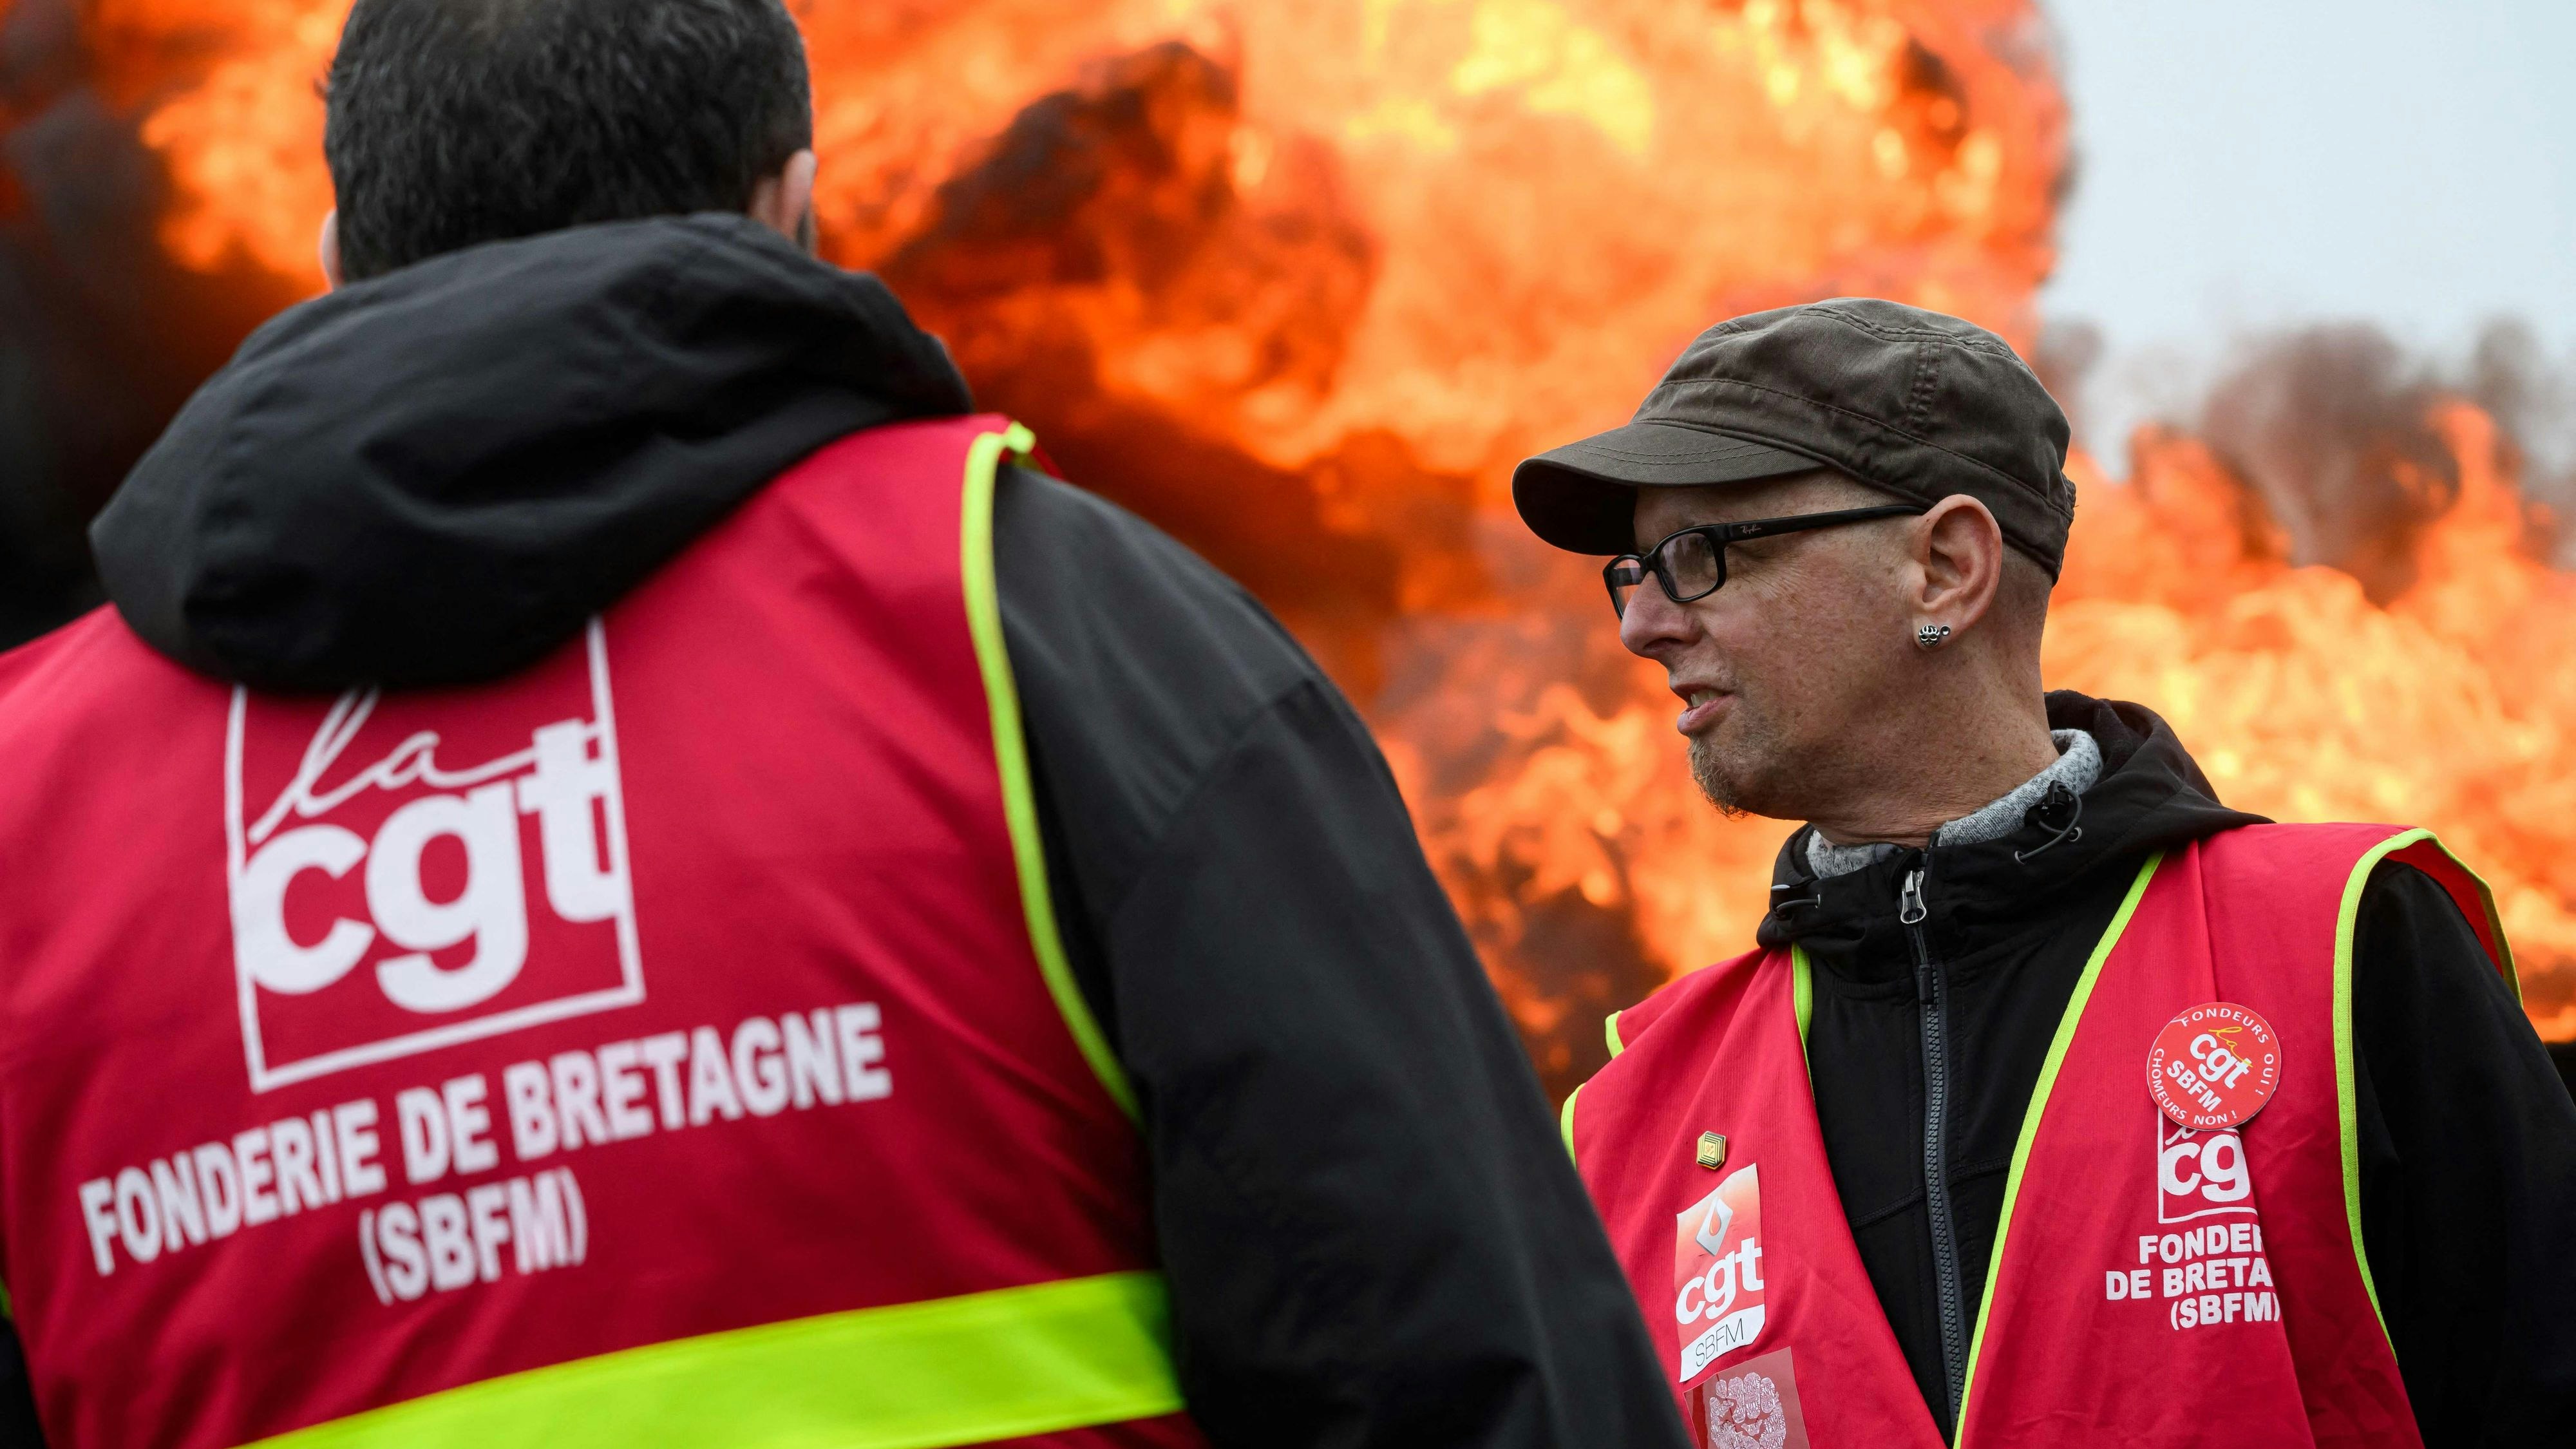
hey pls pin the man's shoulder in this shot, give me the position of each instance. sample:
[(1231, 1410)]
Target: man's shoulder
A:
[(41, 656), (91, 708), (2339, 854), (1688, 1003), (1654, 1045), (1142, 667), (2407, 915), (64, 680)]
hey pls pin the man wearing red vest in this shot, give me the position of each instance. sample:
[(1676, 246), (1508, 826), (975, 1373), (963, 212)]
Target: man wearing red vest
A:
[(2059, 1104), (625, 870)]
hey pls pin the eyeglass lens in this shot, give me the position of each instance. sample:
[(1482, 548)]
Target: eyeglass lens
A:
[(1692, 565), (1691, 562), (1624, 575)]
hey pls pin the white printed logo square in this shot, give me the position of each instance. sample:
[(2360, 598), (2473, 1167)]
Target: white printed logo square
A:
[(410, 871)]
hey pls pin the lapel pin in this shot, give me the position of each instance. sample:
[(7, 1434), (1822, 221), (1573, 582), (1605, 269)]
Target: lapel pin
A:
[(1712, 1150)]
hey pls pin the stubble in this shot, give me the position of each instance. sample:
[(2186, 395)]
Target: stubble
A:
[(1732, 763)]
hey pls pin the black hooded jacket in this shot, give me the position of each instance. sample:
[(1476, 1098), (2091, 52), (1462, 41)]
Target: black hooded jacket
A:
[(2468, 1138), (1371, 1233)]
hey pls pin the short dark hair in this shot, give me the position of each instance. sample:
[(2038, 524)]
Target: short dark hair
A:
[(453, 122)]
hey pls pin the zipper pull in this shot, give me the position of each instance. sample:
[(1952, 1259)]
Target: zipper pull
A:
[(1909, 910)]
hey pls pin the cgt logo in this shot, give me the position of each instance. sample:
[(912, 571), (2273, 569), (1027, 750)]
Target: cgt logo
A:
[(409, 873), (2200, 1174), (1717, 1271)]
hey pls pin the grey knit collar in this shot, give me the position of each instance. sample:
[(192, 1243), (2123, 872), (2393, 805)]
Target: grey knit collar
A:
[(2078, 766)]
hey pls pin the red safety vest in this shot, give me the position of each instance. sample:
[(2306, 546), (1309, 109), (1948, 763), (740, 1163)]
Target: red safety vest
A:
[(2149, 1285), (667, 1044)]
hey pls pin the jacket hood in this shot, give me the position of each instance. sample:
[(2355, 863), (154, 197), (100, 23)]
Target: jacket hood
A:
[(2150, 796), (434, 476)]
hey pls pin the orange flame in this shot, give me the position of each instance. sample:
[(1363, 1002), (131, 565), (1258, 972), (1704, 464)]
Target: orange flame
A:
[(1331, 266), (2447, 706)]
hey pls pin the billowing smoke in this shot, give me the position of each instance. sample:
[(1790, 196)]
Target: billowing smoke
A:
[(2533, 399), (1107, 218), (2333, 426), (101, 336)]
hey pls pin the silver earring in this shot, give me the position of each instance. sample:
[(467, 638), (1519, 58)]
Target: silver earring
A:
[(1929, 636)]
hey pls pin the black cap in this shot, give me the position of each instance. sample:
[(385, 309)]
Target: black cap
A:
[(1910, 402)]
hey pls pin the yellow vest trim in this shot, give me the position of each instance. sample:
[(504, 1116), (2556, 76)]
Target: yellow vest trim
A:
[(2048, 1069), (1010, 751), (2347, 1092), (964, 1370)]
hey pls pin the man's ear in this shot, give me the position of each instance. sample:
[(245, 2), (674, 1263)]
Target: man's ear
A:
[(784, 203), (330, 250), (1961, 551)]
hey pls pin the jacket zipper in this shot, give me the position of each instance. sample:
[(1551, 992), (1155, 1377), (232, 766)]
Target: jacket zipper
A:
[(1936, 1135)]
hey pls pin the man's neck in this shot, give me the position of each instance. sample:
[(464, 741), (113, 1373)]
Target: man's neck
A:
[(2078, 768), (1942, 778)]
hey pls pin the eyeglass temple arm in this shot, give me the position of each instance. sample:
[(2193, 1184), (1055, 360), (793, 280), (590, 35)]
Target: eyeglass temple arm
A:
[(1772, 527)]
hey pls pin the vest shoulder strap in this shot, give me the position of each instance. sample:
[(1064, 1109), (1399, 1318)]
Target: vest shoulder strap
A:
[(1622, 1031), (2248, 858)]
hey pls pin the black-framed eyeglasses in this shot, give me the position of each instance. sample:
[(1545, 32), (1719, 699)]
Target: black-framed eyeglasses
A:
[(1691, 564)]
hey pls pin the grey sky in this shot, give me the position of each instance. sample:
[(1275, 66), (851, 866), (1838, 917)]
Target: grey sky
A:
[(2249, 164)]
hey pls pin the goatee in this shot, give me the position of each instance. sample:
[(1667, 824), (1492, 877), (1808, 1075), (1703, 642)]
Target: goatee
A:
[(1714, 782)]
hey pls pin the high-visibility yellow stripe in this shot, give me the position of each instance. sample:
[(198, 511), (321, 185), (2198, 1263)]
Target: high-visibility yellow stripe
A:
[(2347, 1095), (1019, 800), (1802, 1000), (1802, 990), (963, 1370), (2048, 1068), (2347, 1091), (1565, 1119)]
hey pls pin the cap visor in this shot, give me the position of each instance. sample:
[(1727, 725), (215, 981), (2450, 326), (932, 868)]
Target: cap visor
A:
[(1583, 496)]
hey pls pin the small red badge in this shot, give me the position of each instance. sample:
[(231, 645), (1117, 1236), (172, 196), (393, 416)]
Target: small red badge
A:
[(2214, 1066)]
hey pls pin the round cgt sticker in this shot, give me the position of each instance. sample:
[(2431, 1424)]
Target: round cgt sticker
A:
[(2214, 1066)]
